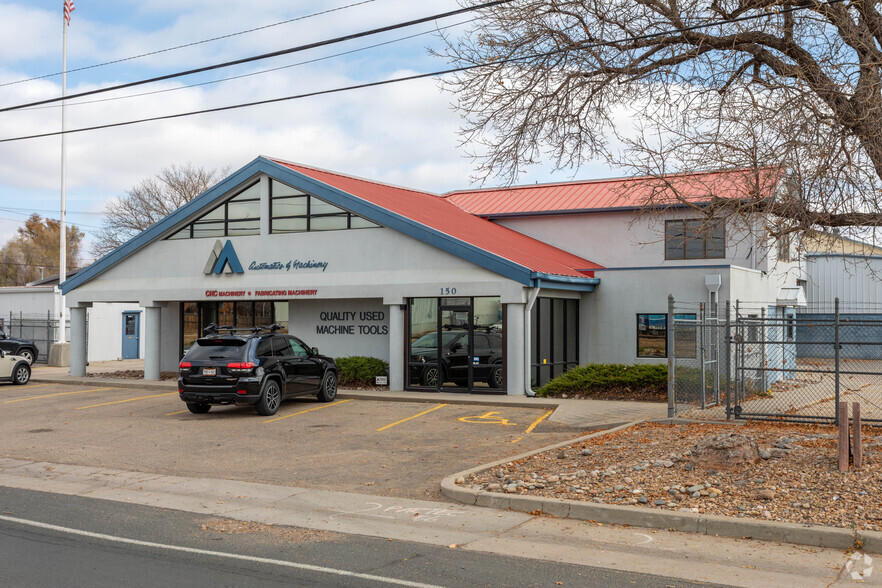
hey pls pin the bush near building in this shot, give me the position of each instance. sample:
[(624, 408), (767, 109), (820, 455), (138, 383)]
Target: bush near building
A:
[(358, 370), (609, 381)]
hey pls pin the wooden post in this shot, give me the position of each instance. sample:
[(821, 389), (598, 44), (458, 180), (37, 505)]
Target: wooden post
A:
[(856, 435), (843, 436)]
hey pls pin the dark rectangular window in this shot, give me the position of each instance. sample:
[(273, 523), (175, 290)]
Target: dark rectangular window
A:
[(652, 335), (695, 239)]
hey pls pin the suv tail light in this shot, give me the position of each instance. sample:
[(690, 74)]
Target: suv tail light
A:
[(243, 367), (185, 366)]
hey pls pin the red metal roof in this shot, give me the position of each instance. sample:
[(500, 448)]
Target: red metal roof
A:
[(442, 215), (629, 193)]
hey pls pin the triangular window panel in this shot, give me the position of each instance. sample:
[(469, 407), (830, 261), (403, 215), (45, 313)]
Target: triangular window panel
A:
[(293, 211)]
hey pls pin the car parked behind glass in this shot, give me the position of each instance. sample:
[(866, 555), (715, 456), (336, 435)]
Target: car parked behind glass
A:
[(257, 366)]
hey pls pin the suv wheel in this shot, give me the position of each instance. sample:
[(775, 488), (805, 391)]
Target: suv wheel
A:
[(22, 374), (430, 377), (27, 354), (495, 377), (329, 388), (269, 402), (196, 408)]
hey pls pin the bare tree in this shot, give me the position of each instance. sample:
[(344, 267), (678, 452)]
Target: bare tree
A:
[(150, 201), (660, 86)]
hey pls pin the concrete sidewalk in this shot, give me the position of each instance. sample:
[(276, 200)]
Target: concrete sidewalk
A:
[(681, 555), (585, 414)]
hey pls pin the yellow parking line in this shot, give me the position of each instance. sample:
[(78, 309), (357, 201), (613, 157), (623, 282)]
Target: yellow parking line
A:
[(32, 386), (533, 426), (537, 421), (410, 417), (307, 410), (179, 412), (58, 394), (126, 400)]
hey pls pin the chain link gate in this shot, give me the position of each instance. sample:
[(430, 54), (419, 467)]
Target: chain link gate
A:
[(772, 363), (42, 330)]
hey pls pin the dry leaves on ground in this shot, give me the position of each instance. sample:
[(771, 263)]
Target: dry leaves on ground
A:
[(649, 466)]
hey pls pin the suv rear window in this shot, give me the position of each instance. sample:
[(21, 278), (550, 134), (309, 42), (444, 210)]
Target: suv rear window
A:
[(217, 349)]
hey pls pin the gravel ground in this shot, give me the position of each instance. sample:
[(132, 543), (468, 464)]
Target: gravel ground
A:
[(648, 466)]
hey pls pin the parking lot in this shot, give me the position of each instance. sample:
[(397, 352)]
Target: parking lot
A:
[(386, 448)]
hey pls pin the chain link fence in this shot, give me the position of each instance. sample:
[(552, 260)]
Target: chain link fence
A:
[(748, 361), (41, 329)]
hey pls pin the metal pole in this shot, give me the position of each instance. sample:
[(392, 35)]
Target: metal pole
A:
[(672, 407), (836, 355), (763, 360), (701, 356), (62, 226)]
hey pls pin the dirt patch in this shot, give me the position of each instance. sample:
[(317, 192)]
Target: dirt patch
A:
[(132, 375), (289, 534), (649, 466)]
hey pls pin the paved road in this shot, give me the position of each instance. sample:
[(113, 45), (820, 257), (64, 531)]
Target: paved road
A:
[(179, 548)]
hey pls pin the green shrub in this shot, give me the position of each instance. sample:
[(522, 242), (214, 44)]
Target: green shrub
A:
[(603, 376), (360, 371)]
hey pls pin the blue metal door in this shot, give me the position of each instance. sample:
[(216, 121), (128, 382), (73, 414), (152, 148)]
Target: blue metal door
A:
[(131, 336)]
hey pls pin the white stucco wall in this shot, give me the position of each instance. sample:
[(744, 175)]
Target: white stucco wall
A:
[(29, 302), (105, 331), (342, 328)]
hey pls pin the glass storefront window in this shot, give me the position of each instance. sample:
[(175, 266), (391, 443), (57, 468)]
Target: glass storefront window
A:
[(456, 344), (195, 316), (554, 328)]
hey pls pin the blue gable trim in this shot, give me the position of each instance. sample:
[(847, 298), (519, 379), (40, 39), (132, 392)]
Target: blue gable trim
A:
[(411, 228), (158, 229), (370, 211), (541, 280)]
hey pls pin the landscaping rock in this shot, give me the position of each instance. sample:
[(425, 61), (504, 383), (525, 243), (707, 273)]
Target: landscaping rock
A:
[(726, 452)]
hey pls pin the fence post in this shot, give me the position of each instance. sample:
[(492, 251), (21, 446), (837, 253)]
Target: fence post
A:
[(20, 324), (728, 360), (48, 332), (672, 406), (836, 357), (763, 357), (700, 355)]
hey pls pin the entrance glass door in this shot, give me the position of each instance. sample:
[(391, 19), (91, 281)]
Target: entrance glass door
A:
[(456, 345)]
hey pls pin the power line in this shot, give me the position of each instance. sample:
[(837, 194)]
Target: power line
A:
[(412, 77), (262, 56), (184, 46), (255, 73)]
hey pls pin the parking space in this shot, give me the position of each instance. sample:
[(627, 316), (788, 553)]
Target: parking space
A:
[(389, 448)]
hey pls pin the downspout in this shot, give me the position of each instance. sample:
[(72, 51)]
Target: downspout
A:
[(528, 390)]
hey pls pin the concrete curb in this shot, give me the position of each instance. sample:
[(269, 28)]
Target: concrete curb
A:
[(109, 382), (816, 536)]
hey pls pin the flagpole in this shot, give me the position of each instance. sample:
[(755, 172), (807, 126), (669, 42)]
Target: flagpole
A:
[(62, 228)]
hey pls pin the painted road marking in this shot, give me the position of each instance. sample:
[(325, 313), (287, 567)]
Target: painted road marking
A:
[(59, 394), (179, 412), (32, 386), (487, 419), (533, 425), (307, 410), (236, 556), (410, 418), (126, 400)]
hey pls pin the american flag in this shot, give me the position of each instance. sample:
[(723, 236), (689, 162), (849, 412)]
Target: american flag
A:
[(68, 8)]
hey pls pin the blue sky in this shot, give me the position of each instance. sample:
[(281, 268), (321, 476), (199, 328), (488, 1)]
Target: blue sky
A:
[(403, 133)]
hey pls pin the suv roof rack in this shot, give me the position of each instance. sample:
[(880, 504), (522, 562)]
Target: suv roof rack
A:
[(214, 329)]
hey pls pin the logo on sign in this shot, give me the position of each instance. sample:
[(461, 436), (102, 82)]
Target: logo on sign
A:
[(223, 259)]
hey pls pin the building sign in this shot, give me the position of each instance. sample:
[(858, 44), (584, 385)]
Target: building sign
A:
[(222, 257), (290, 265), (258, 293), (350, 322)]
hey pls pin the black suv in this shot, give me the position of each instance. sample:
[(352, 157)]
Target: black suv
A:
[(257, 366), (21, 347), (485, 361)]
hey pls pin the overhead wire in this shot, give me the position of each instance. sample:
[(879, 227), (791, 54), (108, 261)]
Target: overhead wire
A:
[(255, 73), (500, 61), (185, 45), (262, 56)]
